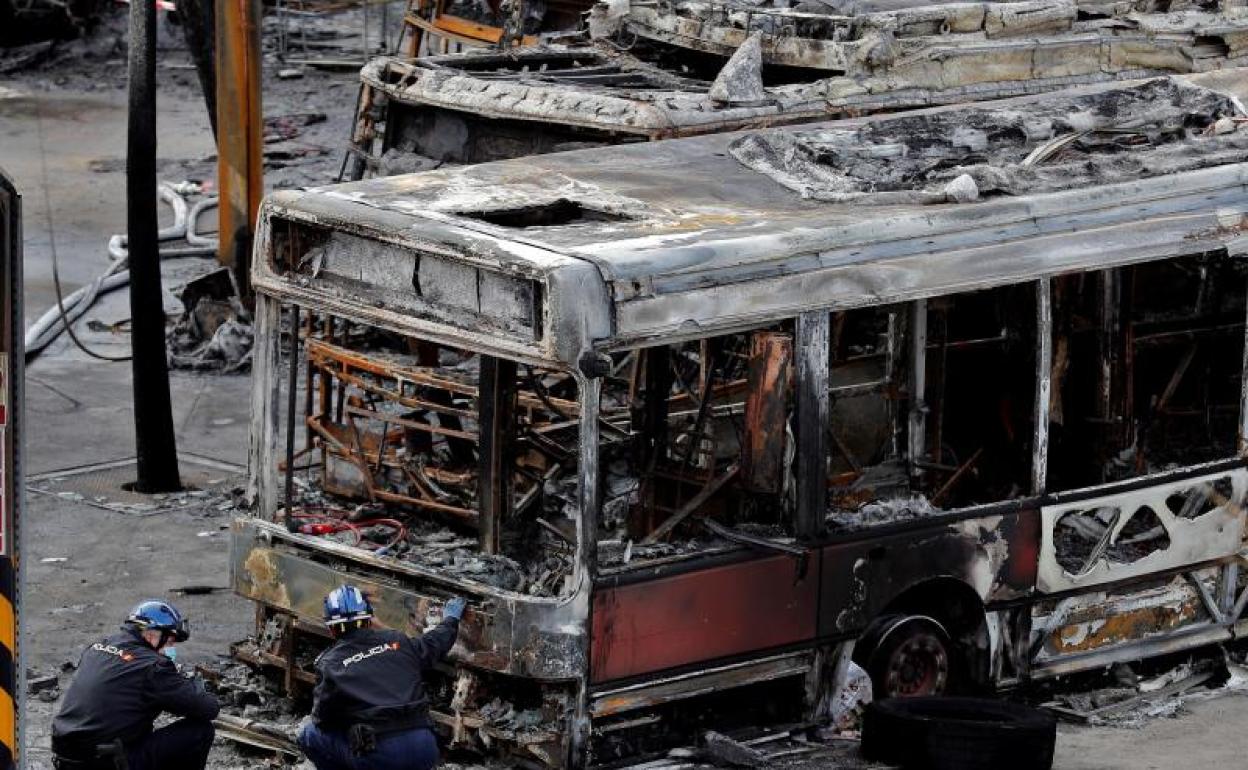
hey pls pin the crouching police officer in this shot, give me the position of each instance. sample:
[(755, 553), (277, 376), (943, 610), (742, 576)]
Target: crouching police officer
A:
[(123, 683), (369, 709)]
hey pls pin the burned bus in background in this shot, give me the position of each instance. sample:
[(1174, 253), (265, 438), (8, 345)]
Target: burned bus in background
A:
[(674, 69), (956, 394)]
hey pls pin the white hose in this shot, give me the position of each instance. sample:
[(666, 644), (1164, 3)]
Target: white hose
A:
[(192, 224), (50, 325)]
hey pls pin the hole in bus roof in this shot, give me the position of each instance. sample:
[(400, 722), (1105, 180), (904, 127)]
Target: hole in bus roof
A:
[(560, 212)]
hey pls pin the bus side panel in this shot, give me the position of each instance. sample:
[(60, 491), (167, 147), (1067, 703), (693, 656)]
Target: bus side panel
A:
[(701, 616), (995, 556)]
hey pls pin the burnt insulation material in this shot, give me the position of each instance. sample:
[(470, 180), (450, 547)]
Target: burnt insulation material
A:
[(1160, 127)]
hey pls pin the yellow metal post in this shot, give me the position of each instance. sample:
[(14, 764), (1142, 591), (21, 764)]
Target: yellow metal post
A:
[(240, 121)]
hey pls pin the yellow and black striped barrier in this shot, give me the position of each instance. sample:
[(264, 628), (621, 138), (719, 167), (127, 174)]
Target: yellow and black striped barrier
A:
[(12, 358), (8, 665)]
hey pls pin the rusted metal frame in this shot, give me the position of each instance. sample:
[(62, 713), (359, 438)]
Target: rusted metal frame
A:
[(916, 436), (656, 693), (308, 383), (1183, 639), (351, 359), (357, 448), (1044, 386), (1056, 619), (691, 507), (811, 422), (765, 437), (287, 655), (325, 403), (398, 398), (360, 411), (341, 362), (496, 406), (465, 515), (350, 454)]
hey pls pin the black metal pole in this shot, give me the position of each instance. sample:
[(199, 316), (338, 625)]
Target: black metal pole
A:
[(155, 445)]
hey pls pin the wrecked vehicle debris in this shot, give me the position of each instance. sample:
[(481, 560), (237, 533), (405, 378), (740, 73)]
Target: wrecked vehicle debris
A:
[(936, 44), (785, 65), (630, 397), (215, 331)]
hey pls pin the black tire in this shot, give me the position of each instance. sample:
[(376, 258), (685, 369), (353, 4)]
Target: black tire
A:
[(958, 734), (907, 656)]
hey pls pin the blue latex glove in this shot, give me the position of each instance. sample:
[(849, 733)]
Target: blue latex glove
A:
[(454, 608)]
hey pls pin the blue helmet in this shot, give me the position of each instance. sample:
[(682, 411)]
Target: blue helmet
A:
[(346, 604), (154, 615)]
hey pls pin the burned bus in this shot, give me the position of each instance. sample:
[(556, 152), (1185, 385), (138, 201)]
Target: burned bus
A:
[(956, 394), (675, 69)]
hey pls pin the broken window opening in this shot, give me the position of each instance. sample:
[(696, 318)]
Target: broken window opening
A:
[(1146, 369), (691, 431), (970, 434), (1086, 538), (1201, 499), (435, 455), (868, 481), (1142, 535), (1081, 537)]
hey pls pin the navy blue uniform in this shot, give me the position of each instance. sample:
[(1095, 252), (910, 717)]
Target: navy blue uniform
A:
[(121, 687), (375, 678)]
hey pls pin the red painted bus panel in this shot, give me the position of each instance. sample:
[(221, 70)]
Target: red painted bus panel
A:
[(702, 615)]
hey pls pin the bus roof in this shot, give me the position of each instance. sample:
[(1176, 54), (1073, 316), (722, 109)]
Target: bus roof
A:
[(695, 236)]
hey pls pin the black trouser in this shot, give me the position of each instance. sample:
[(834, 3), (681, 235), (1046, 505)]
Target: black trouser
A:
[(182, 745)]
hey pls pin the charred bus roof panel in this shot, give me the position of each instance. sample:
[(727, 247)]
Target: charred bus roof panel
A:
[(858, 37), (682, 238), (800, 65)]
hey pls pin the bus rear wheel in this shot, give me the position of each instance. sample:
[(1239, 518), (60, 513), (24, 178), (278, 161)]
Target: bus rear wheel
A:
[(907, 656)]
